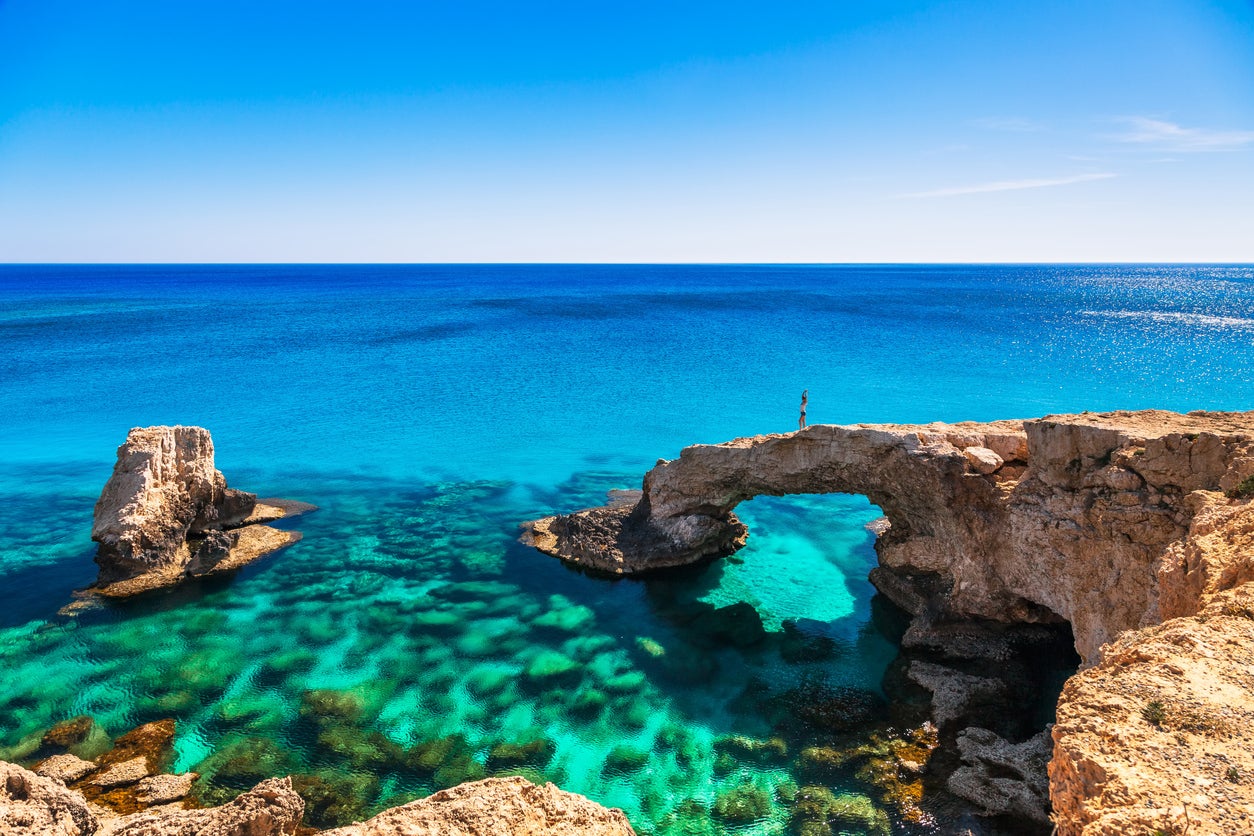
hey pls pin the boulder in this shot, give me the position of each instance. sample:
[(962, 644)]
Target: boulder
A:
[(1003, 778), (31, 804), (162, 789), (65, 768), (495, 806)]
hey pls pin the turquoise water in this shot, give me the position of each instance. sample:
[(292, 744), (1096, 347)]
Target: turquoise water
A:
[(428, 411)]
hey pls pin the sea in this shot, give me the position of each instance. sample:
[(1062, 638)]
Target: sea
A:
[(409, 641)]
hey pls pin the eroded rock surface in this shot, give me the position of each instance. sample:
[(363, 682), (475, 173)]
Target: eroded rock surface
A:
[(1074, 523), (495, 806), (272, 808), (1003, 778), (1134, 527), (1160, 736), (166, 514), (31, 804)]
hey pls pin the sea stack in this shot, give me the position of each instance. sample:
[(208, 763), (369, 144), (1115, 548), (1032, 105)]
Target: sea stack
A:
[(166, 514)]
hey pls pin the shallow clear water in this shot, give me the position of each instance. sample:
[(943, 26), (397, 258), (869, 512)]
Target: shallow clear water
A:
[(428, 411)]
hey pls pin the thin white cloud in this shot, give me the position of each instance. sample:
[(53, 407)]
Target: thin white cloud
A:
[(1013, 185), (1015, 124), (1162, 135)]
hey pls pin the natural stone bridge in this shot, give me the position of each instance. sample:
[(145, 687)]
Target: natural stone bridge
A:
[(1114, 522)]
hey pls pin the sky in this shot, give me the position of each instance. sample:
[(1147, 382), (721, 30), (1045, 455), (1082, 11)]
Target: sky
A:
[(157, 131)]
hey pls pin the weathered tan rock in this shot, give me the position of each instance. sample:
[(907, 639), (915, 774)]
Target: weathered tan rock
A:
[(167, 514), (492, 807), (121, 774), (65, 768), (31, 804), (1160, 735), (269, 809), (162, 789)]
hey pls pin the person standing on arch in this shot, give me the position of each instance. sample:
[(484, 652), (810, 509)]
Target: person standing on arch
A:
[(801, 423)]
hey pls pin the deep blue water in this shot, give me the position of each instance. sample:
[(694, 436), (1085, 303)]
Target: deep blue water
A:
[(428, 410)]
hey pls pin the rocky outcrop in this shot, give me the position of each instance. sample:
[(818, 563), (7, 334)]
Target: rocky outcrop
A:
[(272, 808), (1136, 528), (494, 806), (31, 804), (1003, 778), (166, 514), (1159, 737), (1068, 517)]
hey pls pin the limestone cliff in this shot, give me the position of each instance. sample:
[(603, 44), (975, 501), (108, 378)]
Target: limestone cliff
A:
[(1134, 527), (1068, 517), (167, 514)]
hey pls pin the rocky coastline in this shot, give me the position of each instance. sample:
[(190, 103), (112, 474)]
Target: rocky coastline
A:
[(123, 791), (1129, 530), (1119, 542)]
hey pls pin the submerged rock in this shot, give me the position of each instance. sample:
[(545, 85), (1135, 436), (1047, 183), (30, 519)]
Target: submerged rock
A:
[(166, 514), (533, 752), (817, 811), (743, 804), (67, 733), (332, 799)]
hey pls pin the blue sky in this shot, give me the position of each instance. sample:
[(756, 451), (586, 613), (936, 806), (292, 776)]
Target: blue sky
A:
[(651, 131)]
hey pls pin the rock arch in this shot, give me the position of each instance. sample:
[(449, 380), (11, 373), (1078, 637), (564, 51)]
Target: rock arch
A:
[(1068, 516), (1137, 527)]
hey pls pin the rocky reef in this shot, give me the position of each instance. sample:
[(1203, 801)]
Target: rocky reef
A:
[(166, 514), (1133, 528)]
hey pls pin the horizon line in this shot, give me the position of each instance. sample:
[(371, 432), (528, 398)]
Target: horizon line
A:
[(1114, 262)]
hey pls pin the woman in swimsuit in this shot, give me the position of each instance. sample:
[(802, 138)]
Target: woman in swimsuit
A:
[(801, 425)]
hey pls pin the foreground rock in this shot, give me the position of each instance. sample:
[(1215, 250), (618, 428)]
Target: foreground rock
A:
[(166, 514), (269, 809), (1135, 528), (496, 806), (31, 804), (1160, 736)]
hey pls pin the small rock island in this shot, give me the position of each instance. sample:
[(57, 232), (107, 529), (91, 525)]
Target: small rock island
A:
[(167, 515)]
